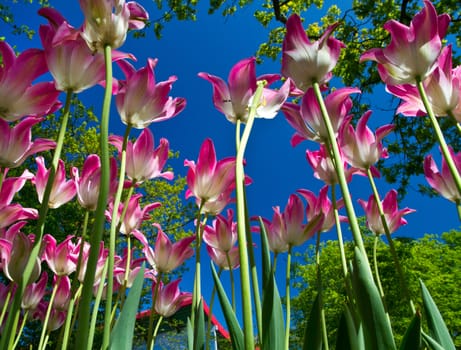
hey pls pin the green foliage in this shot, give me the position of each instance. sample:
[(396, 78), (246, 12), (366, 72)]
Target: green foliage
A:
[(434, 259)]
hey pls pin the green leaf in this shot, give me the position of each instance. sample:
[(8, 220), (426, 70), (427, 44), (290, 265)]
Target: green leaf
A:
[(376, 326), (437, 328), (350, 335), (430, 342), (199, 329), (265, 254), (273, 336), (235, 331), (121, 337), (313, 332), (190, 335), (412, 337)]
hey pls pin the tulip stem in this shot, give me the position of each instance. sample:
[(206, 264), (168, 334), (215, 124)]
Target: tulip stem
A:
[(210, 310), (377, 276), (241, 223), (157, 326), (320, 293), (231, 277), (340, 172), (438, 133), (339, 231), (96, 236), (41, 344), (11, 324), (150, 332), (288, 300)]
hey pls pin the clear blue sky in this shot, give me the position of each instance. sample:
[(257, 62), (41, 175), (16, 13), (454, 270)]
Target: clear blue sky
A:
[(214, 44)]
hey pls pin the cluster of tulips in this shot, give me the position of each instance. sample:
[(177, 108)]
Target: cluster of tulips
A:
[(83, 270)]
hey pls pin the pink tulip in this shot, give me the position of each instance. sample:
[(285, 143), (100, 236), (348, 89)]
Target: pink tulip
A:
[(234, 98), (134, 215), (34, 293), (287, 229), (18, 97), (323, 166), (143, 162), (102, 256), (442, 88), (220, 257), (361, 148), (107, 22), (307, 62), (62, 190), (209, 179), (321, 205), (167, 256), (223, 234), (394, 216), (134, 268), (442, 181), (63, 292), (87, 186), (169, 299), (61, 258), (16, 144), (307, 119), (56, 319), (413, 51), (141, 101)]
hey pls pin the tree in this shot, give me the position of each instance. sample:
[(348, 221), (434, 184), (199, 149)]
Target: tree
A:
[(434, 259)]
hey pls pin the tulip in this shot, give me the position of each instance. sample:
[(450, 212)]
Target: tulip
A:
[(167, 256), (34, 293), (229, 260), (120, 267), (143, 162), (141, 101), (394, 216), (63, 292), (62, 191), (18, 97), (169, 299), (107, 22), (307, 119), (56, 319), (223, 234), (413, 50), (61, 258), (234, 98), (442, 89), (307, 62), (209, 179), (321, 205), (102, 256), (442, 181), (16, 144), (87, 186), (361, 148)]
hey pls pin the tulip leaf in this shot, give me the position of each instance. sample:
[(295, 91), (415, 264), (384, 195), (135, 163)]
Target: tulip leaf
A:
[(412, 338), (350, 335), (437, 328), (190, 335), (265, 254), (199, 329), (235, 331), (273, 336), (121, 337), (431, 343), (313, 331), (376, 325)]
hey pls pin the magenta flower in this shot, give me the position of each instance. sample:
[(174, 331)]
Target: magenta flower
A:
[(234, 98), (442, 181), (88, 185), (18, 97), (134, 215), (167, 256), (307, 62), (361, 148), (63, 292), (102, 256), (134, 268), (287, 229), (321, 205), (34, 293), (143, 161), (394, 216), (307, 119), (61, 258), (209, 179), (16, 144), (442, 88), (56, 319), (107, 22), (141, 101), (413, 50), (169, 299), (220, 257), (223, 234), (62, 191)]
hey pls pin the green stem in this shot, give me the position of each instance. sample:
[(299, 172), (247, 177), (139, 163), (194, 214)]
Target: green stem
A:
[(95, 313), (288, 299), (339, 231), (231, 276), (440, 138), (340, 172), (210, 308), (403, 284), (378, 279), (112, 238), (6, 302), (157, 326), (241, 224), (96, 236), (41, 344), (150, 331), (21, 329), (320, 293), (69, 319), (13, 317)]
